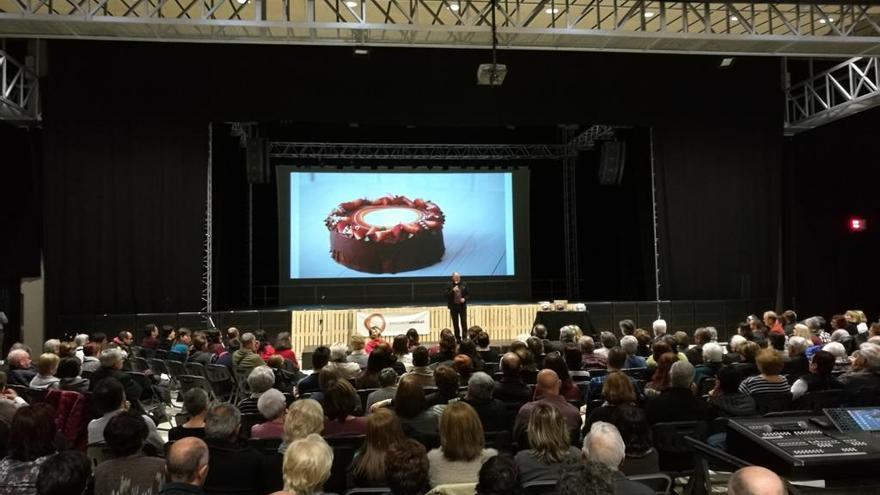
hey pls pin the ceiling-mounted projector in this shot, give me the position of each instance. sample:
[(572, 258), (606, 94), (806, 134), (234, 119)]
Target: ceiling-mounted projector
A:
[(491, 74)]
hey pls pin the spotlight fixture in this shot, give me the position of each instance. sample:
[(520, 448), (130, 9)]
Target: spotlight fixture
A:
[(648, 14), (454, 7), (826, 20), (726, 62), (241, 2), (734, 18), (552, 10), (350, 4), (361, 51)]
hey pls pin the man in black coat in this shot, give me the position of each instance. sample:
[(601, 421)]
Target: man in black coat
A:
[(677, 403), (111, 367), (235, 467), (456, 301)]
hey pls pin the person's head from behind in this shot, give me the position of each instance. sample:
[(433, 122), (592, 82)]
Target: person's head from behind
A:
[(307, 464), (111, 358), (660, 348), (749, 351), (32, 433), (822, 363), (729, 379), (406, 468), (510, 365), (400, 345), (463, 365), (629, 344), (548, 434), (222, 422), (304, 417), (539, 331), (867, 358), (632, 424), (548, 383), (664, 368), (769, 362), (535, 345), (340, 400), (712, 353), (320, 357), (248, 341), (480, 387), (447, 380), (659, 327), (627, 327), (499, 476), (65, 473), (604, 444), (618, 389), (554, 361), (272, 405), (68, 367), (461, 432), (409, 400), (681, 374), (482, 339), (616, 358), (109, 395), (260, 379), (797, 346), (187, 461), (573, 356), (608, 340), (195, 402), (777, 341), (126, 433), (447, 344), (755, 480), (383, 430), (420, 357), (378, 360), (585, 478)]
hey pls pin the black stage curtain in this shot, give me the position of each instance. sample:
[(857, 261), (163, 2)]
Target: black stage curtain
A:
[(719, 209), (124, 216)]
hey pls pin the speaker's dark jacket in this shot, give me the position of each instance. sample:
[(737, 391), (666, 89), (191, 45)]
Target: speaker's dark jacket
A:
[(450, 295)]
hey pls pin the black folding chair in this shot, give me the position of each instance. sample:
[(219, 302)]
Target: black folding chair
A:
[(265, 445), (193, 368), (364, 393), (139, 364), (249, 420), (241, 375), (707, 383), (158, 366), (769, 403), (222, 383), (189, 382), (659, 482), (344, 449), (176, 368), (542, 487), (676, 457)]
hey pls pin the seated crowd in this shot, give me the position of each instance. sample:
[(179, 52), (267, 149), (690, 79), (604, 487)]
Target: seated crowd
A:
[(577, 412)]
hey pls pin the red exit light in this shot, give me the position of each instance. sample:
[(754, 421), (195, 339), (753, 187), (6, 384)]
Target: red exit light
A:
[(857, 224)]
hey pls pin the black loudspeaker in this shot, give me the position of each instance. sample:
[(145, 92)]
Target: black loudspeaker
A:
[(611, 161), (257, 169)]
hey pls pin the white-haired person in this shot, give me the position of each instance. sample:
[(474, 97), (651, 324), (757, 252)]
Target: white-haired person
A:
[(734, 349), (630, 345), (304, 417), (659, 328), (711, 359), (21, 370), (260, 379), (80, 342), (841, 359), (796, 362), (865, 372), (273, 407), (603, 444), (339, 362), (307, 464)]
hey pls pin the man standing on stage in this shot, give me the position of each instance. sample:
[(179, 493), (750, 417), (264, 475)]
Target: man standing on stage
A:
[(456, 300)]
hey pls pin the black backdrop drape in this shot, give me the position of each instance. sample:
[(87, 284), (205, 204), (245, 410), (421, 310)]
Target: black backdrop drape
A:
[(124, 220)]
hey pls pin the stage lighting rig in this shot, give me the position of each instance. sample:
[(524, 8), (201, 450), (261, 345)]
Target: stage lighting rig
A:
[(492, 74)]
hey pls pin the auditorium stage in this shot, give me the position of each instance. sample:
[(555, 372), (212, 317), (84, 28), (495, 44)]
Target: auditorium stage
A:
[(502, 321)]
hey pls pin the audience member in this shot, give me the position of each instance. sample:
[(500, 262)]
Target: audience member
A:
[(536, 347), (769, 381), (755, 480), (110, 400), (129, 469), (229, 459), (447, 381), (618, 391), (374, 340), (273, 406), (186, 465), (406, 468), (304, 417), (21, 370), (246, 358), (412, 408), (123, 342), (111, 367), (486, 353), (747, 367), (464, 368), (195, 404), (590, 360), (412, 339), (264, 347), (659, 328), (378, 360), (554, 361), (200, 352), (387, 387), (796, 362), (627, 327), (400, 348), (644, 338), (726, 400), (307, 464), (711, 361), (842, 363), (616, 359), (865, 370), (340, 402), (695, 353), (284, 348), (68, 374), (492, 412), (151, 337), (310, 384), (357, 355), (47, 366), (91, 363), (368, 466), (339, 362), (609, 341), (641, 456), (260, 379), (499, 476), (733, 350), (52, 346), (420, 370), (447, 349), (660, 380), (677, 403), (511, 387), (819, 377), (548, 389), (461, 452), (65, 473), (31, 443), (603, 444), (630, 346), (549, 446)]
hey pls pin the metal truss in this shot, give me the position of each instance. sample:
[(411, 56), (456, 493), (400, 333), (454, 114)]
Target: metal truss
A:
[(19, 90), (402, 151), (208, 256), (835, 28), (569, 208), (843, 90)]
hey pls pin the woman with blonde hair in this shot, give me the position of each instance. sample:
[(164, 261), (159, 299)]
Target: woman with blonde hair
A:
[(304, 417), (383, 432), (47, 366), (461, 453), (307, 464), (617, 390), (549, 446)]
